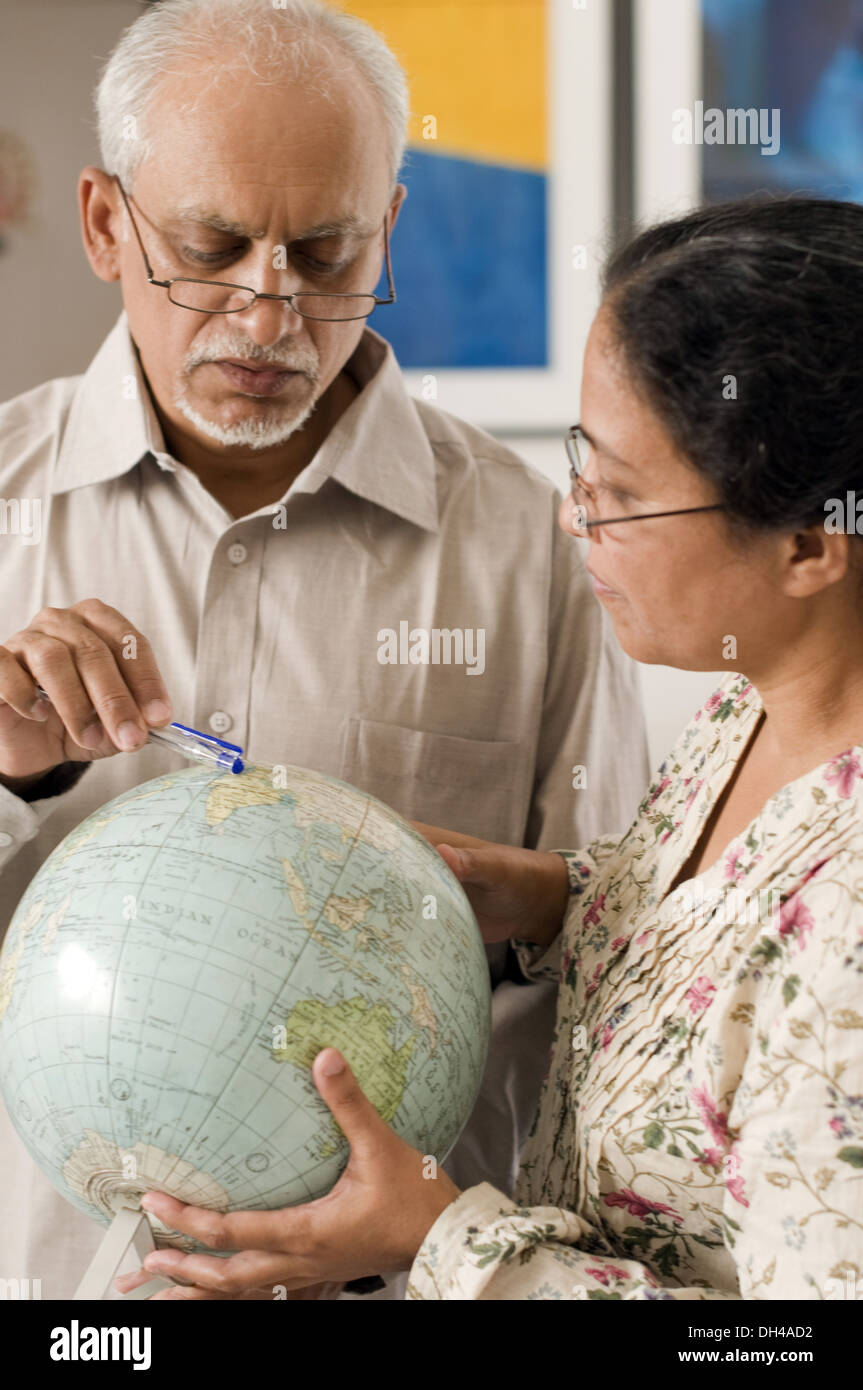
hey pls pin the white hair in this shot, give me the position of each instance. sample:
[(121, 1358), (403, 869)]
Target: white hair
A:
[(270, 38)]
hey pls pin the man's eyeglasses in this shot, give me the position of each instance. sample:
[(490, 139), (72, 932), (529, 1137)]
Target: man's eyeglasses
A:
[(220, 297), (577, 447)]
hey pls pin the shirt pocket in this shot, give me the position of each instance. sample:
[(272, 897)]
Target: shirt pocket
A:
[(465, 784)]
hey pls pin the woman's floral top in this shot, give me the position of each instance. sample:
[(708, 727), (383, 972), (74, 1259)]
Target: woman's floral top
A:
[(700, 1128)]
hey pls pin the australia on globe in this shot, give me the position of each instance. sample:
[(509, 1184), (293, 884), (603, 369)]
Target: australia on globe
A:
[(180, 959)]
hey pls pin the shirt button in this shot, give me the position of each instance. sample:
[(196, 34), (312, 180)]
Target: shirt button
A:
[(237, 553), (5, 839), (220, 722)]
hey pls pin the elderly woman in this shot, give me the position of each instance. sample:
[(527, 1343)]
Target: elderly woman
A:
[(700, 1129)]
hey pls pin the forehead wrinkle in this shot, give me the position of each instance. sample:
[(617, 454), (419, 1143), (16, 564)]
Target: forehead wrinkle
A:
[(340, 226)]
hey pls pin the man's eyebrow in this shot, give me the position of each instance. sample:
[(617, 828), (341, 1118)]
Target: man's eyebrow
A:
[(600, 449), (341, 226)]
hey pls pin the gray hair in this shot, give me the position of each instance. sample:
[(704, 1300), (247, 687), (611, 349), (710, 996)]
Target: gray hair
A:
[(271, 38)]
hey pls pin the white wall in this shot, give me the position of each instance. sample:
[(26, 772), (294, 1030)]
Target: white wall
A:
[(55, 313)]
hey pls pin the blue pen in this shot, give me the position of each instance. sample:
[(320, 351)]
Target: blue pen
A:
[(197, 747)]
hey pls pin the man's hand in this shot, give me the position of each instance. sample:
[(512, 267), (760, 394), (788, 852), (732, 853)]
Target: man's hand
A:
[(103, 683), (372, 1222)]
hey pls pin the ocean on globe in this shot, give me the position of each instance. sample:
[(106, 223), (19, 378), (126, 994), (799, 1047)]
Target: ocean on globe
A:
[(182, 956)]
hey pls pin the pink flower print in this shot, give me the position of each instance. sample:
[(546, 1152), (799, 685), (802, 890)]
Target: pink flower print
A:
[(712, 705), (591, 916), (594, 983), (565, 960), (843, 770), (837, 1124), (607, 1035), (669, 833), (710, 1158), (618, 942), (742, 694), (693, 794), (659, 789), (700, 994), (734, 1178), (734, 866), (813, 871), (604, 1274), (711, 1115), (795, 919), (639, 940), (638, 1206)]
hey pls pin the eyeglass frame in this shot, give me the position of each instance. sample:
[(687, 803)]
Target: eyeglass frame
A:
[(288, 298), (576, 477)]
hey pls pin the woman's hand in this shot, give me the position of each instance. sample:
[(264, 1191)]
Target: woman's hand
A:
[(515, 893), (372, 1222)]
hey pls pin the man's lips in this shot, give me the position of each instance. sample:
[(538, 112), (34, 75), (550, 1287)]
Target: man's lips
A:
[(253, 380)]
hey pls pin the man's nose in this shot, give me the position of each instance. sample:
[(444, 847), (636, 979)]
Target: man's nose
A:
[(267, 320)]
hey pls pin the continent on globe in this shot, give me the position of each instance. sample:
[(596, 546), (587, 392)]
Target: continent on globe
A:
[(360, 1031)]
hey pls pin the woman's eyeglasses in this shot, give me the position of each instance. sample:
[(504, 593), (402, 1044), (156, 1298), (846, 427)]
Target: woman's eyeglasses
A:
[(577, 448)]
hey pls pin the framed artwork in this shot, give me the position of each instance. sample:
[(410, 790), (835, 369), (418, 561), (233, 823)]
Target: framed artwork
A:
[(774, 89), (803, 61), (498, 246)]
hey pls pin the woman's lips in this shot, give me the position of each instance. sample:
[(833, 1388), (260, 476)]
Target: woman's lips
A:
[(263, 381), (599, 588)]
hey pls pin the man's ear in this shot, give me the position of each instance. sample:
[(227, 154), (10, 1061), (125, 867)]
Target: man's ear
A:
[(396, 205), (101, 222)]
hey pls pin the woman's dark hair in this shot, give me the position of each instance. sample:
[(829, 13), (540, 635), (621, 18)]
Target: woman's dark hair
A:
[(742, 326)]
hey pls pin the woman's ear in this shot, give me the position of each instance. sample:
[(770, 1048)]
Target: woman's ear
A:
[(816, 559)]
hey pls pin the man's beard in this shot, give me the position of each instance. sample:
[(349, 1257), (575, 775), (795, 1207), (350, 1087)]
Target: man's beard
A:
[(257, 432)]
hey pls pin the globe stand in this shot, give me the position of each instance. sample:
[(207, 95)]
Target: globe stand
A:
[(130, 1227)]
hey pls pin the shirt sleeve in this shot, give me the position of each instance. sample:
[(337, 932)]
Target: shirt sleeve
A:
[(792, 1141), (538, 962), (484, 1246), (20, 820)]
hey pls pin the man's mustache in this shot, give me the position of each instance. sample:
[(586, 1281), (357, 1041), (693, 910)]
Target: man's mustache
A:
[(254, 355)]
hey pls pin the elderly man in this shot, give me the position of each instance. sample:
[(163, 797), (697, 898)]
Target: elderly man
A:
[(239, 497)]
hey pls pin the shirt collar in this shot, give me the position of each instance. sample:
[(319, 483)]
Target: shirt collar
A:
[(378, 449)]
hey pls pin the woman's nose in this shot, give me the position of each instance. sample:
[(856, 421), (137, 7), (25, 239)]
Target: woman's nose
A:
[(571, 517)]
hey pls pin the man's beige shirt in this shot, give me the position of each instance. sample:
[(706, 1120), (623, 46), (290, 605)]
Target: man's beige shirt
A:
[(266, 629)]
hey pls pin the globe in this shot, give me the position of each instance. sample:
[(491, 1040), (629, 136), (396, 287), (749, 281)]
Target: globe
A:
[(180, 959)]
